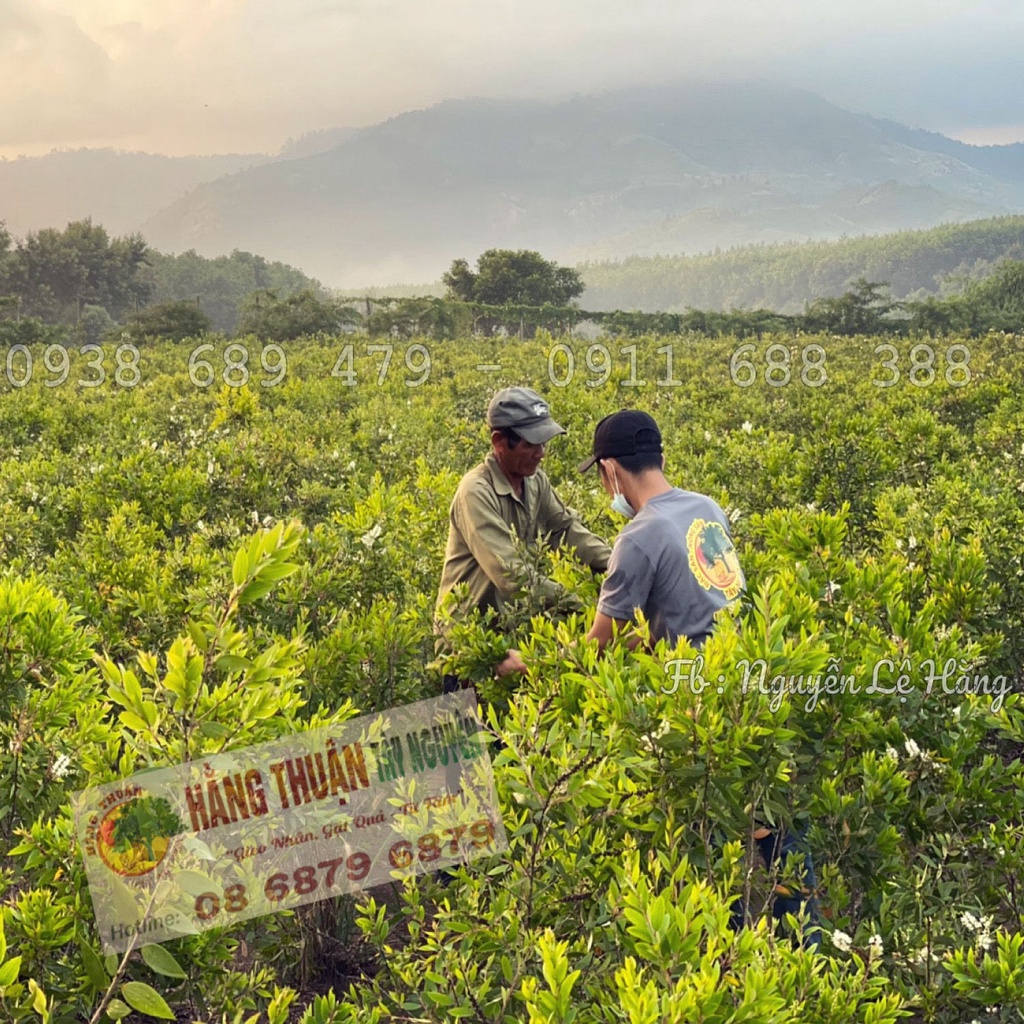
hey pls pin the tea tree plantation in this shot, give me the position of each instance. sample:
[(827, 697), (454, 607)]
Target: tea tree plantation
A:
[(207, 545)]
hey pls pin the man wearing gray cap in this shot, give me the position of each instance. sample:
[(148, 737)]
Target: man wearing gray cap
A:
[(509, 492)]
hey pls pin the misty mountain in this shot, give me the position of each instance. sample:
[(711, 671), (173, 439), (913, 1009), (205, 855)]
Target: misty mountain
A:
[(855, 210), (315, 142), (118, 190), (677, 170), (640, 171)]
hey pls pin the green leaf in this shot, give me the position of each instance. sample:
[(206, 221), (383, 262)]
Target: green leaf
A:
[(116, 1009), (232, 663), (132, 687), (9, 972), (159, 960), (193, 882), (126, 910), (132, 721), (93, 967), (198, 635), (278, 571), (214, 730), (38, 997), (110, 961), (240, 569), (140, 996), (147, 662), (255, 590)]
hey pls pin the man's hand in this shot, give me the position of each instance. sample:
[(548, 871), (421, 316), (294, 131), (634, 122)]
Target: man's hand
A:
[(512, 663)]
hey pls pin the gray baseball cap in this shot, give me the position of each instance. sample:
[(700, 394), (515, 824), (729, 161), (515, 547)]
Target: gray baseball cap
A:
[(525, 412)]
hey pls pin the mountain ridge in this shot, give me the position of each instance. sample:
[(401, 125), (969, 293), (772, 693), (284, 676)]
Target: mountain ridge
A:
[(677, 169), (572, 178)]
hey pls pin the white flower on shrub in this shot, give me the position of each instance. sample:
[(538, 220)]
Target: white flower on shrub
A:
[(892, 753), (842, 941), (370, 536), (914, 751), (707, 435), (748, 427), (61, 767), (662, 730), (911, 542), (981, 925), (875, 947)]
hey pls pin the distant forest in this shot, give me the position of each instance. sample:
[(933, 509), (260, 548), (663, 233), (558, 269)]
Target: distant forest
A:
[(82, 275), (786, 277), (82, 284)]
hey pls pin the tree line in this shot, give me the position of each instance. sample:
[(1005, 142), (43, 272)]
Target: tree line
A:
[(785, 276), (82, 283)]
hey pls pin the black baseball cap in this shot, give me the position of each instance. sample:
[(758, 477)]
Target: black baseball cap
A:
[(525, 412), (629, 432)]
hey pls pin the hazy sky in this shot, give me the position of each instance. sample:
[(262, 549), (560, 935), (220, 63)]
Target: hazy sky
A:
[(204, 76)]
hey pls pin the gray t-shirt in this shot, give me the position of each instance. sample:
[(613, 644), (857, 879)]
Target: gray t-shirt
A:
[(676, 562)]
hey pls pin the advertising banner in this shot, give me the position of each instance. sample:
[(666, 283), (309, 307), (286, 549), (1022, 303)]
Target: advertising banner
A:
[(177, 850)]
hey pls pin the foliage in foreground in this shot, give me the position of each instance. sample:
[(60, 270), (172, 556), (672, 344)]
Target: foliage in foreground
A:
[(877, 526)]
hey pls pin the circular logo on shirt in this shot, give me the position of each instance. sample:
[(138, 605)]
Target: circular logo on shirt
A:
[(713, 558)]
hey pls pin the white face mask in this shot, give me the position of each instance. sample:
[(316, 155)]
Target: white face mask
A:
[(619, 503)]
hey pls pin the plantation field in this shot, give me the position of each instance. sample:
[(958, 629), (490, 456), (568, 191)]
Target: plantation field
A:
[(866, 693)]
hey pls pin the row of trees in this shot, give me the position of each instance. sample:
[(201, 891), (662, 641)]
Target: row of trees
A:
[(82, 277), (866, 307), (51, 274), (784, 276), (994, 303)]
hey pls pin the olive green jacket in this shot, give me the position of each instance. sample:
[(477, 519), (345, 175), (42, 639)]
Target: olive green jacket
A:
[(483, 514)]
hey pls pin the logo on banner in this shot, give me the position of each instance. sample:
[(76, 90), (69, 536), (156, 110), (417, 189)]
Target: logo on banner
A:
[(133, 836)]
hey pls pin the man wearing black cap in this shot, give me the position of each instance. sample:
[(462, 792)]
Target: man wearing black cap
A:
[(675, 559), (509, 492)]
